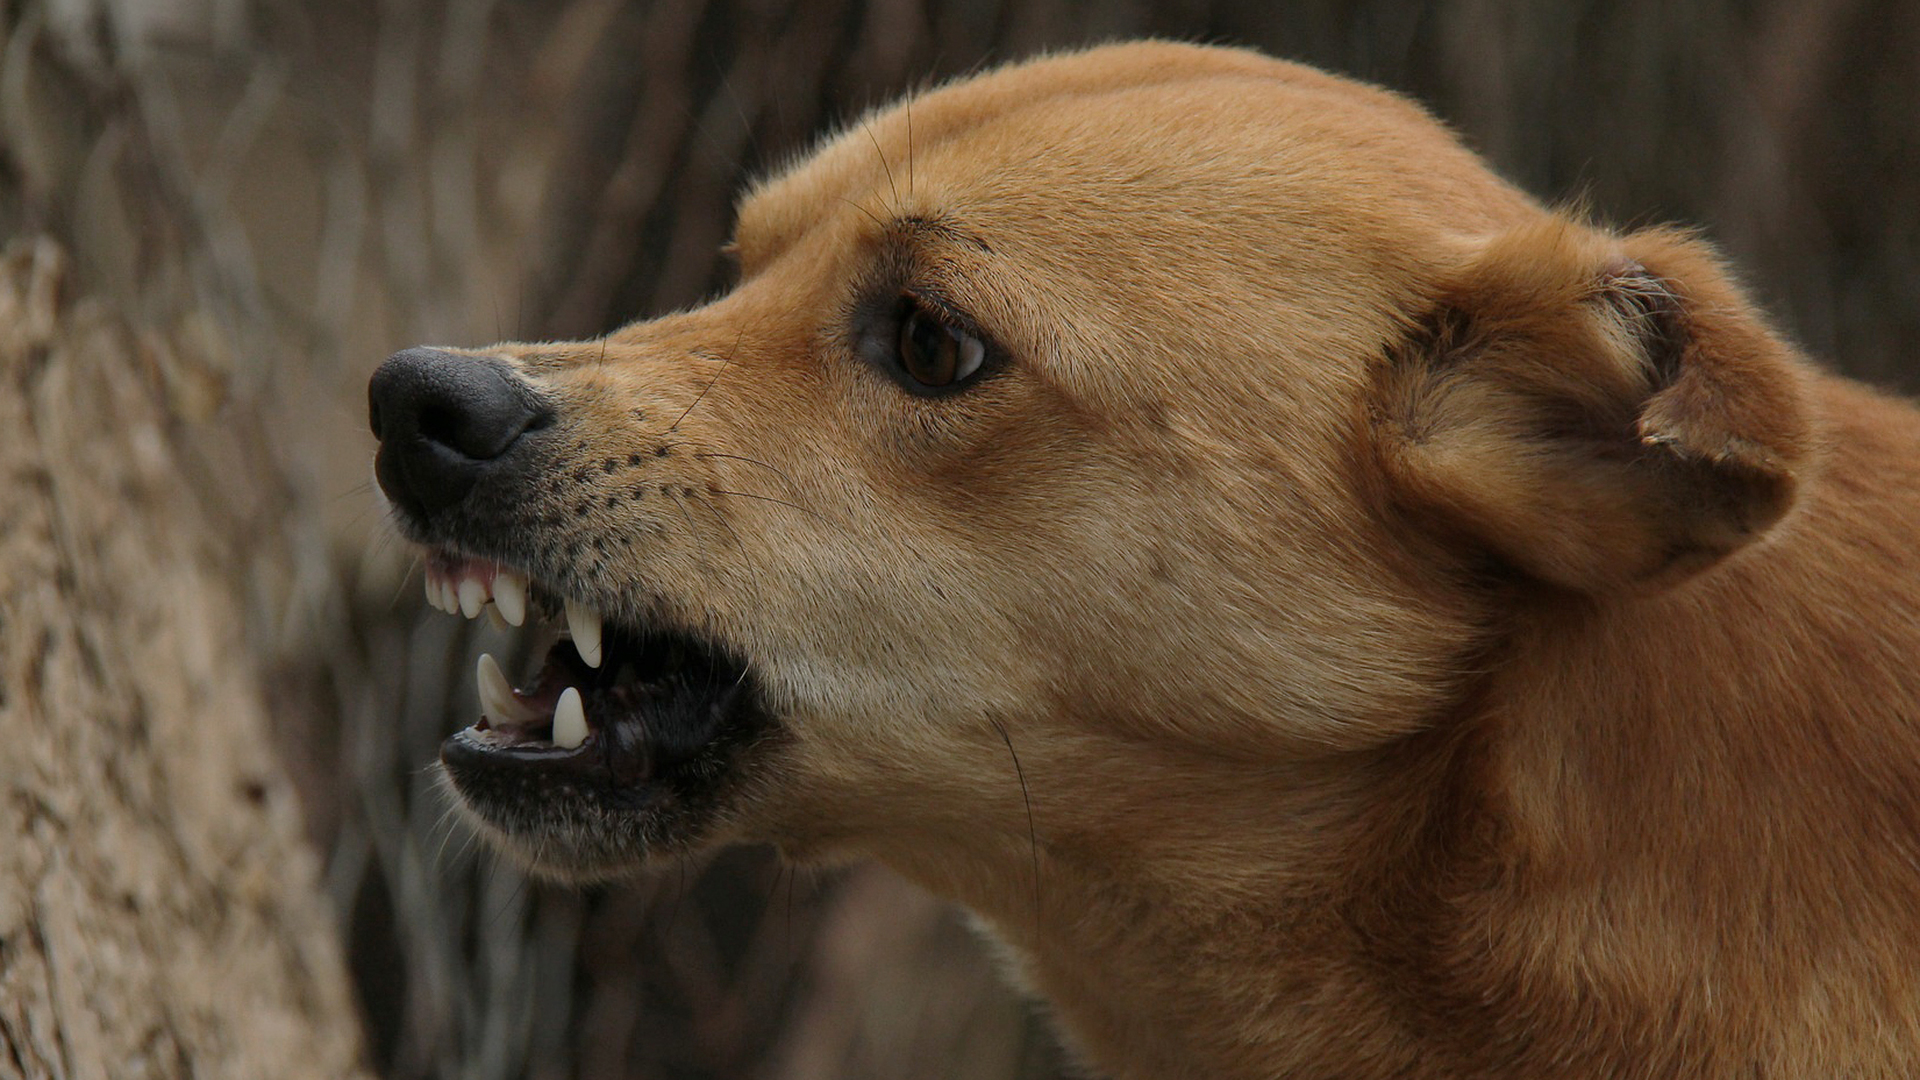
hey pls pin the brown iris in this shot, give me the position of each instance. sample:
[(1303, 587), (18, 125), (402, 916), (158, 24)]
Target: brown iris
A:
[(937, 355)]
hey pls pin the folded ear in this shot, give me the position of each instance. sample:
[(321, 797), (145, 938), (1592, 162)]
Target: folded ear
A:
[(1599, 411)]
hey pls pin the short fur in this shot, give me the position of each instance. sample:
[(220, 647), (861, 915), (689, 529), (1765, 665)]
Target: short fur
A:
[(1364, 624)]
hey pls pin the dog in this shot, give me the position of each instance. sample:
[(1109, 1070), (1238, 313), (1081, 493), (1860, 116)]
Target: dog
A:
[(1327, 614)]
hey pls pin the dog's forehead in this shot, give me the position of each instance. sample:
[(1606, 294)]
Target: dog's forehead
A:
[(1156, 128)]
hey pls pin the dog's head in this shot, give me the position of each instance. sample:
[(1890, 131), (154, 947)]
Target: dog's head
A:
[(1092, 423)]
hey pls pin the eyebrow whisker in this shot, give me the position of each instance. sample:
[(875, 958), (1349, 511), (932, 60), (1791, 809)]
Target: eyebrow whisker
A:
[(868, 127)]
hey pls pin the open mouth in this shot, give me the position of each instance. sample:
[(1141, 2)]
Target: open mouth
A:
[(619, 718)]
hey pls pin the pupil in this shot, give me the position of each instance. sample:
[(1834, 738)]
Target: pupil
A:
[(928, 344)]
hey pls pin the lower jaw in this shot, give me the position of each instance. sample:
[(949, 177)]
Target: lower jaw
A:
[(601, 809), (562, 824)]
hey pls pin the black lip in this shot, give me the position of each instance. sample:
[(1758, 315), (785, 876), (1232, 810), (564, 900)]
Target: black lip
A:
[(464, 751)]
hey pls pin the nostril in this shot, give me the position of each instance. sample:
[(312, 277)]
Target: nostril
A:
[(474, 406), (481, 431), (442, 420), (445, 426)]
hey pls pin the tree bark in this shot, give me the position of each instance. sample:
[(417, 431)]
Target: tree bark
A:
[(159, 907)]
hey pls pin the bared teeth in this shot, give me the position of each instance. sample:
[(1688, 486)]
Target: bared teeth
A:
[(475, 587), (569, 719), (510, 596), (583, 623), (497, 700), (473, 596)]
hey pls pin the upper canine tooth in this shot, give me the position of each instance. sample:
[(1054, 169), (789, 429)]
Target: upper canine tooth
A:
[(584, 622), (510, 596), (473, 596), (569, 719)]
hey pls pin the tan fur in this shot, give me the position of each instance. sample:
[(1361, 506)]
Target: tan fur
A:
[(1373, 626)]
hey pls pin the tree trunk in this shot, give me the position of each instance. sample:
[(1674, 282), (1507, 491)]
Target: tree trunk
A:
[(160, 908)]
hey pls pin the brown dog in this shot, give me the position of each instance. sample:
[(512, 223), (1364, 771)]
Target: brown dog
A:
[(1329, 615)]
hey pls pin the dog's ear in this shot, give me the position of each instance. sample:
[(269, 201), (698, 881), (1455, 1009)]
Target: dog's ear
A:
[(1596, 410)]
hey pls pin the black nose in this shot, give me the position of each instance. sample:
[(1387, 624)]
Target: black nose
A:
[(443, 421)]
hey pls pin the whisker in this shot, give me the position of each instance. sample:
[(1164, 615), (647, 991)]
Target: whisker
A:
[(406, 579), (389, 536), (447, 826), (464, 853), (724, 362), (748, 460), (717, 516), (753, 575), (883, 164), (871, 216), (767, 498), (1033, 842), (692, 529), (506, 906), (359, 521)]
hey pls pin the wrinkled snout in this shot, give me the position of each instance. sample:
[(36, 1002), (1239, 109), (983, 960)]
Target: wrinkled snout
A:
[(444, 422)]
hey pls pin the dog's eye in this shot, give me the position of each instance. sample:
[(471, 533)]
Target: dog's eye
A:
[(934, 354)]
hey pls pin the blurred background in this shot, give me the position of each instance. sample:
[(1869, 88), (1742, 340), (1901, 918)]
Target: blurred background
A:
[(285, 192)]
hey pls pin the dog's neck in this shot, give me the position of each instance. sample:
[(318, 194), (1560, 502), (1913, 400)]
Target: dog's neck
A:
[(1111, 928)]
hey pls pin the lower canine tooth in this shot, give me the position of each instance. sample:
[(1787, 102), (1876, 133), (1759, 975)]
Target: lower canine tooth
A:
[(569, 719), (497, 702)]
